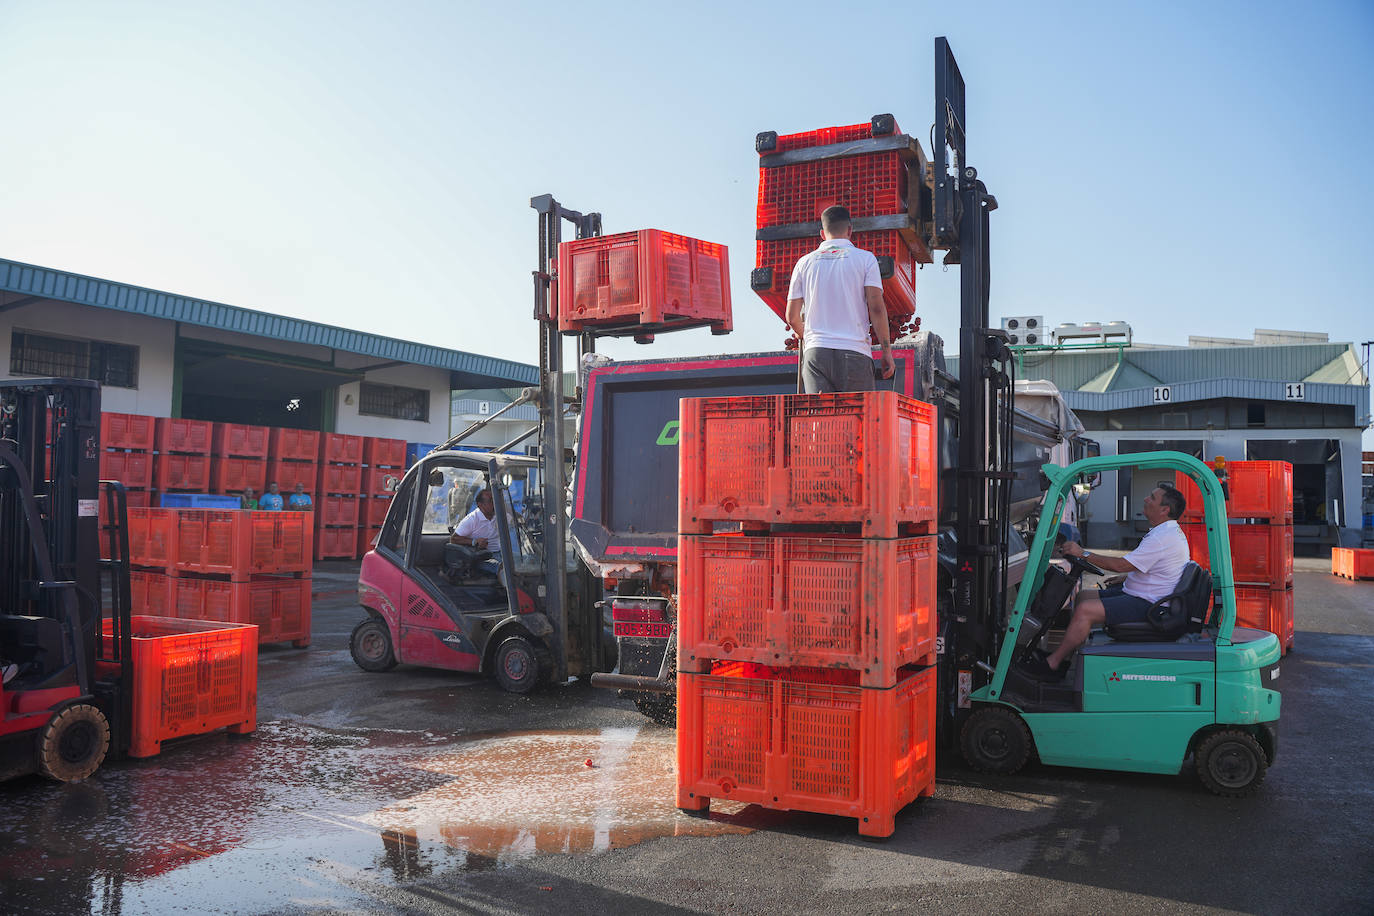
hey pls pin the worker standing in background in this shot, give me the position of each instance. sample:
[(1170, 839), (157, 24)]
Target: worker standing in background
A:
[(299, 501), (271, 500), (835, 294), (248, 499)]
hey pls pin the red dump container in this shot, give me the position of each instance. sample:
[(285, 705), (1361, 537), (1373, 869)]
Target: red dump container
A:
[(1258, 489), (189, 677), (182, 472), (825, 136), (386, 453), (133, 469), (1267, 609), (1352, 563), (286, 474), (861, 604), (773, 274), (790, 744), (240, 440), (127, 431), (191, 437), (1260, 554), (337, 511), (381, 481), (872, 184), (649, 277), (151, 593), (280, 607), (336, 543), (346, 479), (241, 544), (293, 444), (153, 537), (340, 449), (231, 475), (863, 460), (372, 512)]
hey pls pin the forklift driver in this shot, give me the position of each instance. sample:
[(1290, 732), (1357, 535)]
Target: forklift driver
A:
[(479, 530), (1152, 572)]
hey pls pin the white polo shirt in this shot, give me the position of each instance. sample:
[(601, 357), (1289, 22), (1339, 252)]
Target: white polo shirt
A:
[(830, 281), (477, 525), (1160, 557)]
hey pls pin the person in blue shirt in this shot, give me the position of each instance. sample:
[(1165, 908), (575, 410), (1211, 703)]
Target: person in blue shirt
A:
[(300, 500), (271, 501)]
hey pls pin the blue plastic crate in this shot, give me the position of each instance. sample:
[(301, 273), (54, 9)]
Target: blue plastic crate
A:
[(198, 501), (417, 450)]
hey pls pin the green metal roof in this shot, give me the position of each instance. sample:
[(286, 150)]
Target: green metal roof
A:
[(471, 369)]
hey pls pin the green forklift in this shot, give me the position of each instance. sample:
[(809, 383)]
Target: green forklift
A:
[(1139, 697)]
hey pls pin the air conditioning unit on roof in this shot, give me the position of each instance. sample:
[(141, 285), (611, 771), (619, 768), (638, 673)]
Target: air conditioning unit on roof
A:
[(1024, 330), (1093, 330)]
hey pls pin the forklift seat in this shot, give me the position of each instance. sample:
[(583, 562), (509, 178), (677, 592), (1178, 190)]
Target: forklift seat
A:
[(1173, 615)]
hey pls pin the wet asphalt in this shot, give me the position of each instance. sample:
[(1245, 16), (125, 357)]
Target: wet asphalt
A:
[(424, 792)]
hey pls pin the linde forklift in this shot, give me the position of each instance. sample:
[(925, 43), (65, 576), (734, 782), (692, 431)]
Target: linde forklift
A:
[(64, 611)]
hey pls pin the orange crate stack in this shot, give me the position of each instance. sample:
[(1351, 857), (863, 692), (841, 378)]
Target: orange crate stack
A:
[(866, 461), (804, 679), (865, 605), (1352, 563), (383, 469), (189, 677), (1256, 489), (184, 437), (278, 605), (336, 499)]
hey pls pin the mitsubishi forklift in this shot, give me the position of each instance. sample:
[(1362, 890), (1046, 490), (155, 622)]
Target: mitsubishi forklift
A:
[(64, 611), (1139, 697)]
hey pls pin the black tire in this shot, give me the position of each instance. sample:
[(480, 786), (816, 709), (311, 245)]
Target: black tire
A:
[(519, 666), (73, 744), (660, 708), (1231, 762), (370, 645), (995, 740)]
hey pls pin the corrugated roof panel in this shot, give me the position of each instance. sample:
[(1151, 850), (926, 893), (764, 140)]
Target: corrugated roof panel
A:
[(27, 279)]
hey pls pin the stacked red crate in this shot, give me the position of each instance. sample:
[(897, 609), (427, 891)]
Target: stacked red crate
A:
[(1259, 507), (383, 468), (228, 565), (1352, 563), (293, 458), (336, 500), (804, 659), (883, 186), (239, 458), (127, 442)]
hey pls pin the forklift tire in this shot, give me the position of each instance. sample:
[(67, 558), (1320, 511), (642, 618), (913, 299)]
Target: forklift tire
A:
[(370, 645), (995, 740), (1231, 762), (519, 667), (73, 743)]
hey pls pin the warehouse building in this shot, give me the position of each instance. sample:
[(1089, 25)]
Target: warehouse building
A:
[(1290, 396), (168, 355)]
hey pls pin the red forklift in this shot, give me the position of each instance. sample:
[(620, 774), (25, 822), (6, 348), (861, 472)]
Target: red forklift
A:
[(64, 611)]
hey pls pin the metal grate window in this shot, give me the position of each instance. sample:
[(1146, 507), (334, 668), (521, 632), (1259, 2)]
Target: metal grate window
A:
[(110, 364), (394, 401)]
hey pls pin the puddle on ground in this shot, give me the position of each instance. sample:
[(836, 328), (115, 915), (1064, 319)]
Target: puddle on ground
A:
[(313, 817)]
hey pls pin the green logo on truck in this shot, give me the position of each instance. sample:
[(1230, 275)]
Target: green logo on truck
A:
[(672, 431)]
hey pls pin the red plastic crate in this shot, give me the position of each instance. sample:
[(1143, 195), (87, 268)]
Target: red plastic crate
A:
[(874, 184), (127, 431), (862, 459), (380, 481), (133, 499), (153, 537), (386, 453), (239, 543), (189, 677), (1352, 563), (182, 472), (367, 537), (286, 474), (240, 440), (151, 593), (861, 604), (133, 469), (293, 444), (1258, 489), (372, 512), (340, 449), (1266, 609), (1260, 554), (337, 511), (191, 437), (790, 745), (346, 479), (231, 475), (280, 607), (336, 543), (825, 136), (899, 290), (648, 277)]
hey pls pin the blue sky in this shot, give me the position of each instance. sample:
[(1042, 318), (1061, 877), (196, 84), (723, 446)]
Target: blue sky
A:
[(1188, 168)]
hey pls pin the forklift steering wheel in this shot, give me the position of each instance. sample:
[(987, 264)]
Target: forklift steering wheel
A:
[(1083, 566)]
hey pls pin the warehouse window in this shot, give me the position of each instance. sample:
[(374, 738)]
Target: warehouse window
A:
[(393, 401), (1254, 414), (67, 357)]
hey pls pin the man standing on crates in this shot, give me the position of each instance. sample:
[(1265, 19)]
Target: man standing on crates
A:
[(835, 294)]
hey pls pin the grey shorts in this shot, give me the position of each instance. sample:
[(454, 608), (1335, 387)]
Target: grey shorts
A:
[(824, 370)]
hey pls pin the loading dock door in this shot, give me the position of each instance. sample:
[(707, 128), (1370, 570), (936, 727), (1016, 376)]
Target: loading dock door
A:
[(236, 386), (1132, 488), (1318, 495)]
